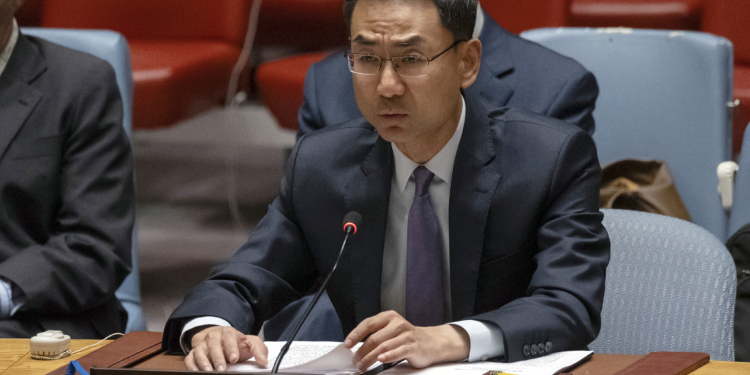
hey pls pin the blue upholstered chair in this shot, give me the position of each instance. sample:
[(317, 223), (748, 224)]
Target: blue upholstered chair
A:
[(741, 205), (670, 286), (663, 96), (113, 48)]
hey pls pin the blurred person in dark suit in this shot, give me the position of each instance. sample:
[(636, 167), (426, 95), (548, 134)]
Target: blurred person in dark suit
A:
[(66, 189)]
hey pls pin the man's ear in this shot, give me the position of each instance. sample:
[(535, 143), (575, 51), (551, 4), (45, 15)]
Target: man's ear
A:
[(470, 61)]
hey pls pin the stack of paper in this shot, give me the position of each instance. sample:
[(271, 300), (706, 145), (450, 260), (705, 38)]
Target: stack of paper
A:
[(334, 358), (307, 357), (547, 365)]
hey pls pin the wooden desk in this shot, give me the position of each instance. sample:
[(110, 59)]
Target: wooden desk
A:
[(607, 364), (15, 359), (600, 364)]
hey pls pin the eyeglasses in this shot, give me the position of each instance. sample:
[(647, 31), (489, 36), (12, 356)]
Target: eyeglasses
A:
[(406, 66)]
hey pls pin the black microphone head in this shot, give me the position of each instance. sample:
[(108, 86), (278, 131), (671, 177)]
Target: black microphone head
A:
[(352, 220)]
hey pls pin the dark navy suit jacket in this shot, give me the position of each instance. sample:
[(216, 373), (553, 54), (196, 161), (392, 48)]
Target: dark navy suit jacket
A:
[(528, 251), (66, 189), (514, 72)]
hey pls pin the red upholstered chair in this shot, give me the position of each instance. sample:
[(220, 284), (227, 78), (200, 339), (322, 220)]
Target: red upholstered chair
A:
[(30, 13), (521, 15), (182, 51), (731, 19), (281, 83), (306, 24), (647, 14)]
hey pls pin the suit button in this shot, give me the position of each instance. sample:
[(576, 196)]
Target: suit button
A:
[(533, 349), (541, 348), (526, 350), (548, 347), (484, 358)]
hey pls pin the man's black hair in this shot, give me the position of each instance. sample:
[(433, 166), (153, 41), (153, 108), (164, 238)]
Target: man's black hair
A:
[(458, 16)]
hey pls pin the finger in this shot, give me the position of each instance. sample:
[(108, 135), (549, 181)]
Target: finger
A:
[(371, 342), (356, 335), (363, 329), (393, 344), (366, 327), (201, 359), (258, 349), (231, 341), (216, 351), (396, 354), (246, 350), (396, 326), (190, 362)]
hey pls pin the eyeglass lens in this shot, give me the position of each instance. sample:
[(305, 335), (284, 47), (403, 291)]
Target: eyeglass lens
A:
[(407, 66)]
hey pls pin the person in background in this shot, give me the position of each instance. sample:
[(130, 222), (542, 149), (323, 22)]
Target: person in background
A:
[(66, 189)]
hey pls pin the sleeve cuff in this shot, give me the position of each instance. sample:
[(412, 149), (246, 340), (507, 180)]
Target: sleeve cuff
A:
[(201, 322), (486, 340), (6, 301), (11, 298)]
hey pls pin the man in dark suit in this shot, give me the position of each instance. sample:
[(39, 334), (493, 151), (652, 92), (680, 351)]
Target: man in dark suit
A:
[(482, 236), (66, 189), (515, 72)]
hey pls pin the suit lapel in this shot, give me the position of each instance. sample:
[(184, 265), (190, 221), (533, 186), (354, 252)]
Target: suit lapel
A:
[(497, 62), (17, 98), (472, 187), (368, 193)]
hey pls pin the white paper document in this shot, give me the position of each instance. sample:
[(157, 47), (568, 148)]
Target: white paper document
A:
[(306, 356), (334, 358), (547, 365)]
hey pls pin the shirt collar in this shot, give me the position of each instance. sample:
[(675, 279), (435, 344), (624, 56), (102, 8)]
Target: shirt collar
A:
[(479, 23), (441, 164), (5, 56)]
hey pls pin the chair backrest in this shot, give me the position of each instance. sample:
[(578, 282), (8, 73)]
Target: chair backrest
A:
[(112, 47), (521, 15), (663, 96), (741, 202), (154, 19), (308, 25), (649, 14), (670, 286)]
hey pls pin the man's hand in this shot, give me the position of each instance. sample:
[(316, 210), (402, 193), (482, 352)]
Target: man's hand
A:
[(393, 338), (213, 347)]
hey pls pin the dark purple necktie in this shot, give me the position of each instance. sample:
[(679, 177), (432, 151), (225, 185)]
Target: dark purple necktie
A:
[(424, 257)]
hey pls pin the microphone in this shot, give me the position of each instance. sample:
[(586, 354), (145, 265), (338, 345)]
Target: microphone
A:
[(352, 221)]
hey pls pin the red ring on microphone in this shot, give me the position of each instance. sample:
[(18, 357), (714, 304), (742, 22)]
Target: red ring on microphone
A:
[(350, 224)]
